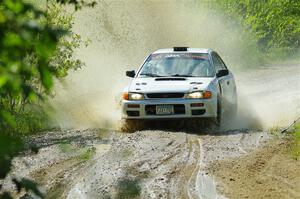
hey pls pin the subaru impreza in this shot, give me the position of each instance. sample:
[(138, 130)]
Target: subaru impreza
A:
[(180, 83)]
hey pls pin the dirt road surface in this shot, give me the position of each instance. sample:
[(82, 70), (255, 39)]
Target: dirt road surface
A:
[(243, 160), (235, 163), (147, 164)]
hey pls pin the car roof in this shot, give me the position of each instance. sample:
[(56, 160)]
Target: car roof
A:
[(189, 50)]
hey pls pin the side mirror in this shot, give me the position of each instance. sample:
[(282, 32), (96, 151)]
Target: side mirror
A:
[(222, 73), (130, 73)]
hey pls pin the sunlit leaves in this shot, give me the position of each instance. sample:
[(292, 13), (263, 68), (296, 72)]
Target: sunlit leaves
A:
[(275, 23), (12, 39), (3, 80), (63, 61), (8, 118), (27, 45), (35, 47), (46, 76), (14, 6)]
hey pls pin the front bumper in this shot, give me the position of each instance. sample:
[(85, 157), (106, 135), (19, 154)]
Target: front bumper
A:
[(140, 109)]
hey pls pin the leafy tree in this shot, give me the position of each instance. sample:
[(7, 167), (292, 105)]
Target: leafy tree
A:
[(63, 59), (275, 23), (35, 46)]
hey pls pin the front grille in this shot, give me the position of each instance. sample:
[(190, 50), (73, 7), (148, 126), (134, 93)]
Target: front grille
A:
[(165, 95), (178, 109)]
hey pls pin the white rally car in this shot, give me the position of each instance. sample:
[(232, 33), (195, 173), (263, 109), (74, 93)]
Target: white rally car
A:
[(180, 83)]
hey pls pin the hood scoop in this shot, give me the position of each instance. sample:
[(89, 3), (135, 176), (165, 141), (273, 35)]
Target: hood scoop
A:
[(196, 83), (138, 84), (170, 79)]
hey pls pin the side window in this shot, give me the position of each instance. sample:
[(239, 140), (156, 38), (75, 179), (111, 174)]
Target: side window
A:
[(216, 61), (219, 64), (223, 66)]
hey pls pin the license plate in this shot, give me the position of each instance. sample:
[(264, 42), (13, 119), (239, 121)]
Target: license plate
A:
[(164, 110)]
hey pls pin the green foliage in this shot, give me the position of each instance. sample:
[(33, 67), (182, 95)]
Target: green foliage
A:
[(86, 154), (35, 47), (9, 147), (37, 53), (26, 46), (66, 147), (31, 121), (275, 23), (63, 59)]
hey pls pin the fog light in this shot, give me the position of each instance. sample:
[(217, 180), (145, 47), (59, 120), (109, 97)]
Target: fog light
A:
[(133, 113), (197, 104), (133, 105), (198, 112)]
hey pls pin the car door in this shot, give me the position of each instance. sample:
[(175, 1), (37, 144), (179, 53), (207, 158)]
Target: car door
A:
[(226, 83)]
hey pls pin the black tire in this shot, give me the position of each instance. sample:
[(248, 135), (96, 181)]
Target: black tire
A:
[(217, 121), (132, 125)]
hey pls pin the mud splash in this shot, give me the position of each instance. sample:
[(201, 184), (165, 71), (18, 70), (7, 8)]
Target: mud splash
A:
[(123, 33)]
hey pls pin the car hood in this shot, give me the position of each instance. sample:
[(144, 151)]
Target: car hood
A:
[(168, 85)]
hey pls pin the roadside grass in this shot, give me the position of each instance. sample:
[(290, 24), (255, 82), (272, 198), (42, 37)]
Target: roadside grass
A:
[(66, 147), (83, 154), (33, 119), (28, 123), (86, 154), (275, 130), (295, 146)]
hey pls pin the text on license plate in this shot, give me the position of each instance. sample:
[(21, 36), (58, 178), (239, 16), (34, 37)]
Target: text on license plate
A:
[(164, 110)]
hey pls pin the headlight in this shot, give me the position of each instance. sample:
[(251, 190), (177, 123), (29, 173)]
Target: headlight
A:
[(199, 95), (136, 96), (133, 96)]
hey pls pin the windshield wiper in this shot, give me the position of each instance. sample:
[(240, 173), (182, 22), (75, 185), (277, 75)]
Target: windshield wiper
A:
[(151, 75), (177, 75)]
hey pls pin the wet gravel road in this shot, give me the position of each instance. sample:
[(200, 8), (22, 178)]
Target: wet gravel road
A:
[(97, 163)]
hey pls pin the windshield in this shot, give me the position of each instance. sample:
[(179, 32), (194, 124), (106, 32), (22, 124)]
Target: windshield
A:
[(177, 65)]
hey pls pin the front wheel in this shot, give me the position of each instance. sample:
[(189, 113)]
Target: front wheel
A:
[(132, 125), (216, 122)]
